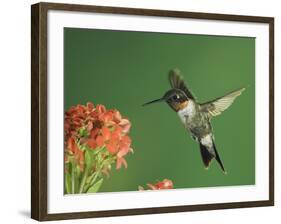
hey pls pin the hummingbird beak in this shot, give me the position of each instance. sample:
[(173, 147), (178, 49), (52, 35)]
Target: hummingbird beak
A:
[(154, 101)]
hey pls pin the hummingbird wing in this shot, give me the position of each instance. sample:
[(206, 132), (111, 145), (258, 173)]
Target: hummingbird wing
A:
[(217, 106), (177, 82)]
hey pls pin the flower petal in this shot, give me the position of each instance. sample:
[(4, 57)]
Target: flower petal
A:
[(90, 106), (105, 133), (71, 145), (168, 184), (107, 116), (94, 133), (126, 140), (90, 126), (124, 146), (117, 116), (92, 143), (152, 187), (125, 125), (121, 161), (100, 108), (165, 184), (116, 134), (112, 147), (100, 141)]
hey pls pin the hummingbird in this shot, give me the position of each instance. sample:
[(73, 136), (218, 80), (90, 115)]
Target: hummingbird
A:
[(196, 116)]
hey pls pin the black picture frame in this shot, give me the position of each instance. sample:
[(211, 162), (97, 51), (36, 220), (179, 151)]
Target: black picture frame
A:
[(39, 105)]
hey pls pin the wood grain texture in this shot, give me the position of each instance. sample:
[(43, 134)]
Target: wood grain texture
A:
[(38, 112), (39, 204)]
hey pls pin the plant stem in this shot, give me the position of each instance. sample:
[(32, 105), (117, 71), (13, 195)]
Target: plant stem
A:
[(93, 180), (72, 178), (83, 181), (97, 173)]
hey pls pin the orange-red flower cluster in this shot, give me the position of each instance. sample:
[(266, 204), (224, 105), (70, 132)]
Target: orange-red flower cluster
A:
[(161, 185), (97, 127)]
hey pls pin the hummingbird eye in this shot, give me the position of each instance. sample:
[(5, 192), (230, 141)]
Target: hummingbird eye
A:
[(176, 97)]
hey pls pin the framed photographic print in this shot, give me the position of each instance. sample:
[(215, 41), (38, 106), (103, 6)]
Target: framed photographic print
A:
[(139, 111)]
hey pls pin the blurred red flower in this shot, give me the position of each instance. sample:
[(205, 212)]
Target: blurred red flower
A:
[(161, 185)]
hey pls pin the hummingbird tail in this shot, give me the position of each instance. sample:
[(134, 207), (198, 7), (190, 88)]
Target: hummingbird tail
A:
[(208, 154), (217, 157)]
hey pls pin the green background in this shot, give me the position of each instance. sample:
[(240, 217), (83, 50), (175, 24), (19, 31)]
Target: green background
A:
[(123, 70)]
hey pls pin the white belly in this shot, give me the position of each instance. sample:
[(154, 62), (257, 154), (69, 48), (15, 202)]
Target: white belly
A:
[(207, 141), (187, 112)]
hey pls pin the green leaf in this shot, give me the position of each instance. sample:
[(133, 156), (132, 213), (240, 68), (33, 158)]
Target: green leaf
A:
[(90, 177), (83, 147), (67, 183), (72, 175), (98, 150), (77, 171), (77, 178), (95, 187), (83, 132), (88, 158)]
